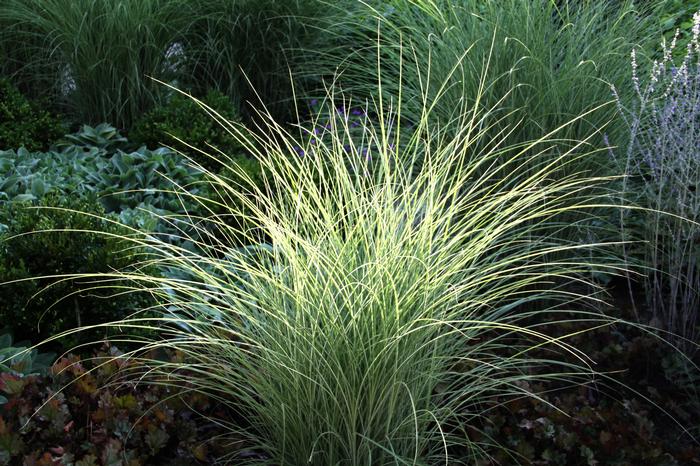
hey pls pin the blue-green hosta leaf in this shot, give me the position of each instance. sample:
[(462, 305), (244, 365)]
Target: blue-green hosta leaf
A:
[(38, 187), (10, 183), (25, 197), (118, 162), (6, 163), (141, 178)]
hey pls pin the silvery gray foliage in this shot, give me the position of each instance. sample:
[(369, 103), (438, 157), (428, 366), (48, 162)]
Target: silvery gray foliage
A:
[(662, 168)]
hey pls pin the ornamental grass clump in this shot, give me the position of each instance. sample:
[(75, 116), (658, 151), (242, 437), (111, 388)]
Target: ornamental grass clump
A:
[(390, 300), (662, 164)]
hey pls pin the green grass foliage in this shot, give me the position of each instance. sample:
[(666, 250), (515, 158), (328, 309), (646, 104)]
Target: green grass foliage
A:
[(554, 61), (387, 303), (247, 48), (96, 58)]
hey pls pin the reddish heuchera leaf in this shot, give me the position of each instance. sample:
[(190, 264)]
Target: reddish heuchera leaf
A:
[(88, 460), (68, 426), (70, 364), (57, 451), (12, 384), (45, 460)]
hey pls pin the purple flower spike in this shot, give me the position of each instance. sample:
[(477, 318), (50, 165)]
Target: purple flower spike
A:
[(314, 102), (356, 111), (354, 124)]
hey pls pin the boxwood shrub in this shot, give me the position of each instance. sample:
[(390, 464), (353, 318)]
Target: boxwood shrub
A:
[(23, 123), (181, 118), (46, 238)]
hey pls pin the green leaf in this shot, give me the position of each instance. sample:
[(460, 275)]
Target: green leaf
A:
[(156, 439), (9, 183), (118, 162), (38, 187), (25, 197), (88, 460), (5, 341)]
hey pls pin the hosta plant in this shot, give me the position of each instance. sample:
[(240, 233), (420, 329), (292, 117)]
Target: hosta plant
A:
[(99, 164)]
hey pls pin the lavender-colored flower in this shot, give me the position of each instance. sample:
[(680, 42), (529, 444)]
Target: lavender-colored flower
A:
[(663, 164)]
